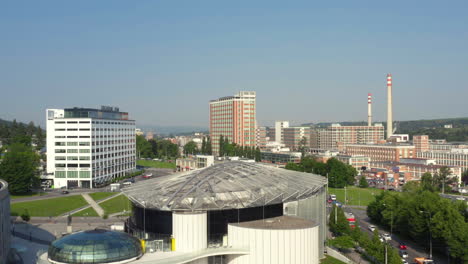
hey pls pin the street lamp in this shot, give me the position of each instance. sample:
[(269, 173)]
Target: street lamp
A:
[(144, 219), (430, 235)]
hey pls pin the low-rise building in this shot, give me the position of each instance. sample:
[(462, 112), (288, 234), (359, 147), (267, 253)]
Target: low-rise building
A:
[(281, 158), (358, 162), (194, 162), (382, 152), (416, 169)]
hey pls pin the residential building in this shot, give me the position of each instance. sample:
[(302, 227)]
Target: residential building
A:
[(149, 136), (292, 137), (336, 136), (382, 152), (88, 147), (234, 118), (279, 126)]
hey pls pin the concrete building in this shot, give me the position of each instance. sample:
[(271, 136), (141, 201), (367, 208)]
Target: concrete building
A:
[(455, 157), (416, 169), (279, 126), (358, 162), (232, 212), (292, 136), (421, 143), (260, 137), (233, 117), (5, 233), (194, 162), (377, 152), (138, 132), (336, 136), (88, 147)]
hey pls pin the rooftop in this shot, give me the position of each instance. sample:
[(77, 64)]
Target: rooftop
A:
[(228, 185), (280, 222)]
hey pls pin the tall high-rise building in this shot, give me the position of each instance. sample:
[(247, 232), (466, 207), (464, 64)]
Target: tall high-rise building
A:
[(421, 143), (88, 147), (279, 135), (293, 137), (234, 118)]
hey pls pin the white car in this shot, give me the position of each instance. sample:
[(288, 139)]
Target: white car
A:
[(403, 254), (404, 261), (387, 237), (372, 228), (333, 197)]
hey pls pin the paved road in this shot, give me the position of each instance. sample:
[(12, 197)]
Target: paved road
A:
[(414, 250)]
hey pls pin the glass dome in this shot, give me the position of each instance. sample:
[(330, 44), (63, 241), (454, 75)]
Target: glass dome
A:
[(94, 246)]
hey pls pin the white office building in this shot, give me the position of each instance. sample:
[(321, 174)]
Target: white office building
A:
[(88, 147)]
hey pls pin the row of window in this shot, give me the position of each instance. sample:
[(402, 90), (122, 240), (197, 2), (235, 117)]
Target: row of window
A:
[(72, 174), (72, 151), (72, 158), (81, 144), (95, 122), (72, 165), (72, 122)]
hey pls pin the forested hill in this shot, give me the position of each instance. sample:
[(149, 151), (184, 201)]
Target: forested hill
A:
[(9, 130), (434, 128)]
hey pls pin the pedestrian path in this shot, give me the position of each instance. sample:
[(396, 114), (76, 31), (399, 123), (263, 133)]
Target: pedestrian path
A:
[(93, 204)]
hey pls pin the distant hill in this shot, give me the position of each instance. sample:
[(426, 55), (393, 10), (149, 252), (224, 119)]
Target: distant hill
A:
[(434, 128)]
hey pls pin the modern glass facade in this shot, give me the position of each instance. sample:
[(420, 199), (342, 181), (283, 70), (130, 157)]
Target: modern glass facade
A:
[(95, 246)]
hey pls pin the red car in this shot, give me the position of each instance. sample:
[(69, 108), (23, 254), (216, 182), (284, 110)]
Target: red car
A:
[(402, 246)]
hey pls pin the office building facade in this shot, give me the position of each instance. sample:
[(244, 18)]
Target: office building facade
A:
[(294, 137), (88, 147), (335, 137), (234, 118), (378, 152)]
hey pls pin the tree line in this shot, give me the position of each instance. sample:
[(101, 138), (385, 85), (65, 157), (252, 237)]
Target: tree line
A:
[(339, 174), (11, 132), (192, 148), (420, 213), (156, 148), (227, 149)]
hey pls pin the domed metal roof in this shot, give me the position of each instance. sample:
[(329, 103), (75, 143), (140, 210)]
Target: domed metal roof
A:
[(95, 246), (228, 185)]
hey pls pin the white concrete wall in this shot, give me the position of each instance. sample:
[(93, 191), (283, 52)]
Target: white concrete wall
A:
[(267, 246), (190, 231)]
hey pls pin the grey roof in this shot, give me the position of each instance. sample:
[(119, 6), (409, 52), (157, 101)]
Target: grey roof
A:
[(228, 185)]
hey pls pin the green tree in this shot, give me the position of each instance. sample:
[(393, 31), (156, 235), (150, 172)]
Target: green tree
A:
[(203, 146), (221, 146), (190, 148), (363, 182), (339, 225), (209, 149), (258, 154), (19, 168), (427, 182), (342, 242), (302, 146), (143, 148)]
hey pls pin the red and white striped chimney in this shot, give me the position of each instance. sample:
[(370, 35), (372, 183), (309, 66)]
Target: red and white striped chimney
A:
[(369, 109), (389, 106)]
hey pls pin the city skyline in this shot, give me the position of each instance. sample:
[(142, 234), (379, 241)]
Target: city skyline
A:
[(163, 62)]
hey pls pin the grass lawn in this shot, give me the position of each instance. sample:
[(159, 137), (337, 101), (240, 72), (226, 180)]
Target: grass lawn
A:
[(49, 207), (331, 260), (101, 195), (156, 164), (355, 195), (86, 212), (116, 205), (27, 195)]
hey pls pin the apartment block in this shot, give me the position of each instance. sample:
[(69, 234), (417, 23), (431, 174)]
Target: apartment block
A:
[(421, 143), (279, 126), (88, 147), (233, 117)]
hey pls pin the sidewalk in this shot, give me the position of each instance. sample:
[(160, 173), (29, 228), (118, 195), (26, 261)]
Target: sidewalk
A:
[(93, 204)]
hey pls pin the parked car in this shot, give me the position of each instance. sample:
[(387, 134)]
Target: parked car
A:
[(148, 175), (332, 197), (403, 253), (65, 192), (402, 246), (404, 261), (372, 228), (132, 180)]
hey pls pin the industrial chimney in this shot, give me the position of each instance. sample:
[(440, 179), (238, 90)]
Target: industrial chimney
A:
[(389, 106), (369, 109)]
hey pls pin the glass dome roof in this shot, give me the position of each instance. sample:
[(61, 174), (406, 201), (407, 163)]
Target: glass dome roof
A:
[(94, 246)]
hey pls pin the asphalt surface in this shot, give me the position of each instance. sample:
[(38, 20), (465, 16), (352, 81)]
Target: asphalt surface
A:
[(414, 250)]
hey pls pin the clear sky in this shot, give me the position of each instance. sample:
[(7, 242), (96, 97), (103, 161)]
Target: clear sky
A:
[(162, 61)]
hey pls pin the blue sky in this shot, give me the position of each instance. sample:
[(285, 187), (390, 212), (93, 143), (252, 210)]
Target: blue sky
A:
[(162, 61)]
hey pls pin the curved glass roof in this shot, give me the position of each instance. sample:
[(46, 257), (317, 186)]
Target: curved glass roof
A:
[(228, 185), (94, 246)]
